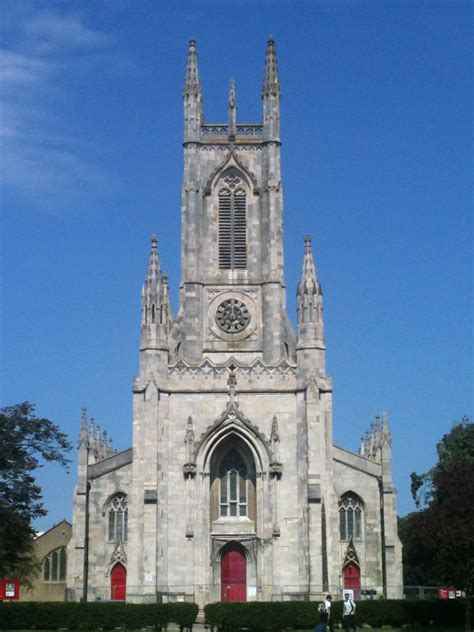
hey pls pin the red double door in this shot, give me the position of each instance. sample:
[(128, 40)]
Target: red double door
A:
[(233, 576), (118, 583)]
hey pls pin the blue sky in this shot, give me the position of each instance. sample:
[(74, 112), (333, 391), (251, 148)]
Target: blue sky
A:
[(377, 166)]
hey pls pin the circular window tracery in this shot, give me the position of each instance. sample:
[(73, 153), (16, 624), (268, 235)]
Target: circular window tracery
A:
[(232, 316)]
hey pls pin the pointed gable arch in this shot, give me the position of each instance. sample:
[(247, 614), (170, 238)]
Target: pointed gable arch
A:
[(233, 424), (232, 160), (351, 556)]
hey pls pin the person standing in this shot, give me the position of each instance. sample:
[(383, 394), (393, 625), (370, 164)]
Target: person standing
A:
[(328, 604), (348, 613)]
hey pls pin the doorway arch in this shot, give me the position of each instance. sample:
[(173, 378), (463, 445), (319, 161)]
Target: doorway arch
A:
[(118, 582), (233, 573)]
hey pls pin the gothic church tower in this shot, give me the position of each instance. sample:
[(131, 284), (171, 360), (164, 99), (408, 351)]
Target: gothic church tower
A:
[(233, 489)]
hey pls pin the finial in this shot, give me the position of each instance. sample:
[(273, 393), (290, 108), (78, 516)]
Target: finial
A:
[(232, 101), (154, 242), (232, 111), (232, 383), (307, 242)]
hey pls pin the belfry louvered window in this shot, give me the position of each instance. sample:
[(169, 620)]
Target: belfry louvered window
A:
[(232, 223)]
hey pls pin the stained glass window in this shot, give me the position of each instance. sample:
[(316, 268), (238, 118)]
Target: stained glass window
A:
[(118, 518), (350, 517)]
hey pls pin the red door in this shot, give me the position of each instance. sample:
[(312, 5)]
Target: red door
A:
[(233, 576), (118, 582), (352, 579)]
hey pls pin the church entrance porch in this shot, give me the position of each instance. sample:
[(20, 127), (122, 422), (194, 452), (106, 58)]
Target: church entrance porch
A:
[(233, 575), (118, 582)]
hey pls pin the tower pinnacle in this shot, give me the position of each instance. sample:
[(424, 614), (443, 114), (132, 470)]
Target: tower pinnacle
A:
[(271, 83), (193, 116), (156, 313), (153, 274), (309, 298), (232, 111), (271, 95), (192, 82), (308, 282)]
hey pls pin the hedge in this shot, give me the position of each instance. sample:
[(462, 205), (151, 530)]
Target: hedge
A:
[(91, 616), (291, 615)]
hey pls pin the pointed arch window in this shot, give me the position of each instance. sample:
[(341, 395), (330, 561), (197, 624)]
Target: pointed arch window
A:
[(54, 566), (232, 199), (233, 485), (118, 518), (351, 508)]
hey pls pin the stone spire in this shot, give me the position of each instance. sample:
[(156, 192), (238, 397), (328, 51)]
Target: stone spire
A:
[(156, 312), (192, 82), (271, 95), (232, 107), (271, 83), (192, 95)]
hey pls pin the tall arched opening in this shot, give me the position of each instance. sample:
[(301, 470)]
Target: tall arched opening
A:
[(233, 480)]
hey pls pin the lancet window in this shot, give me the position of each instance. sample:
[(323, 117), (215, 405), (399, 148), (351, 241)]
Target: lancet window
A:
[(232, 222), (351, 508), (118, 518), (54, 566), (233, 485)]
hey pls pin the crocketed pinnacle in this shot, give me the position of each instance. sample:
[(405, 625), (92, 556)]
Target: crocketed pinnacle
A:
[(232, 110), (308, 283), (153, 274), (83, 433), (192, 83), (271, 84)]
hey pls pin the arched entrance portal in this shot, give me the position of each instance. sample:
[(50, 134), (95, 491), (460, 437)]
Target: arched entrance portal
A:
[(118, 582), (233, 575), (352, 578)]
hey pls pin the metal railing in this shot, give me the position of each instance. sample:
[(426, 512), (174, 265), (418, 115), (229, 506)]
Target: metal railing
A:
[(205, 593)]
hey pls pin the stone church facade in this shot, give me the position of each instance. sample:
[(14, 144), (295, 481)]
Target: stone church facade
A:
[(233, 489)]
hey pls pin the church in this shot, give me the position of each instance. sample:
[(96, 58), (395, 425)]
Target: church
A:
[(233, 489)]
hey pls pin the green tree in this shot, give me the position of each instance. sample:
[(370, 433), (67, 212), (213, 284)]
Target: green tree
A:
[(443, 528), (26, 442)]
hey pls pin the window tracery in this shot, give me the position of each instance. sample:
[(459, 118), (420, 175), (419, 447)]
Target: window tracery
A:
[(118, 518), (351, 507), (54, 566), (233, 485)]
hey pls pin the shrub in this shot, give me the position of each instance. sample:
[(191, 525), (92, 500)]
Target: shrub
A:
[(91, 616), (279, 616)]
